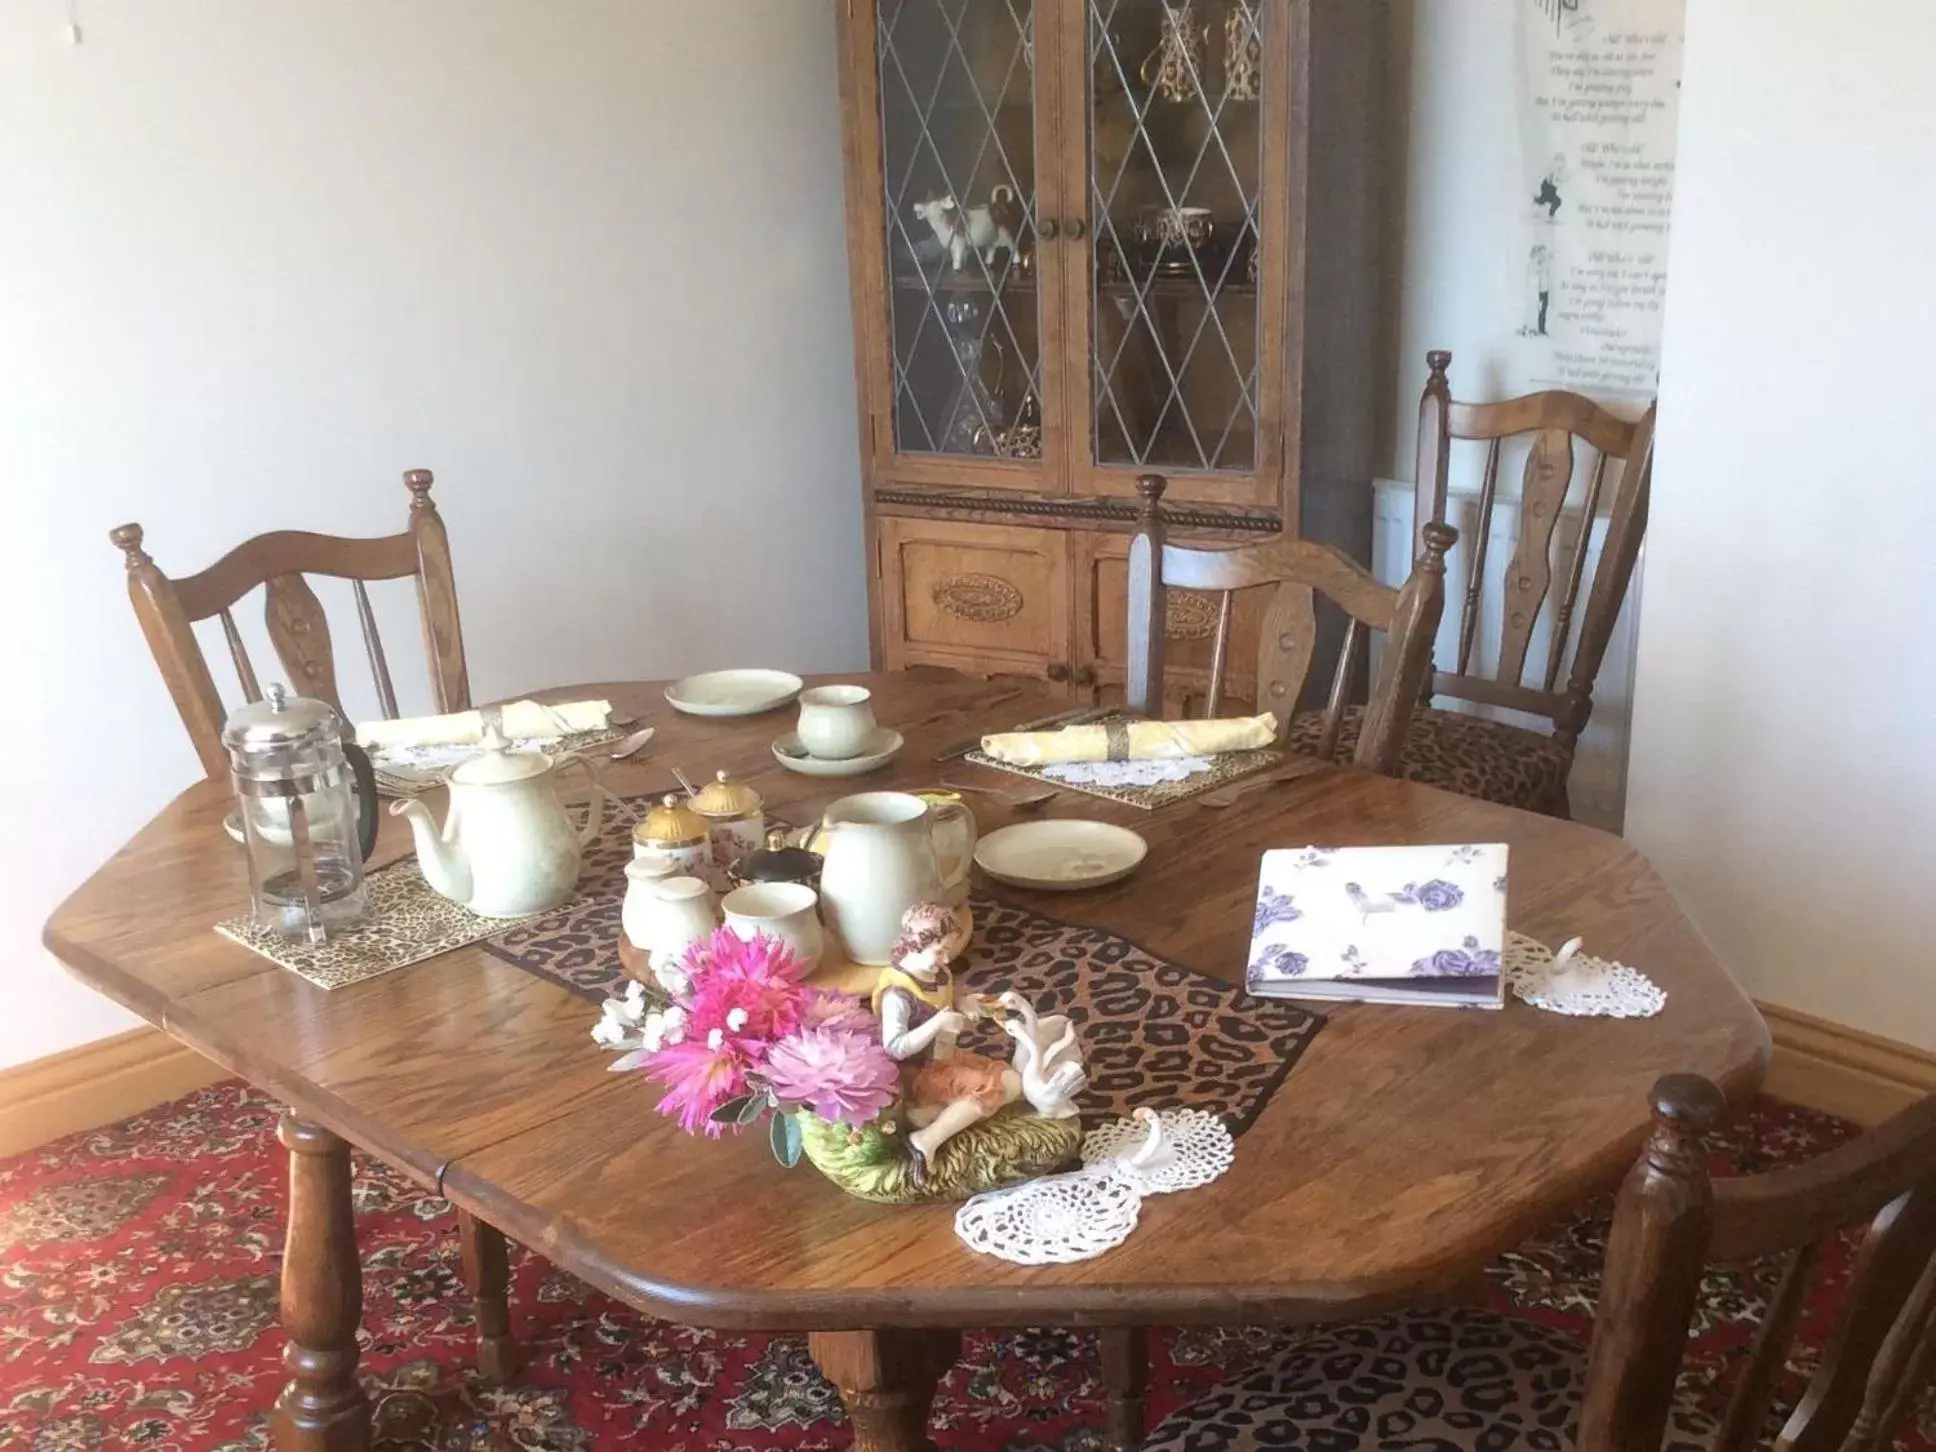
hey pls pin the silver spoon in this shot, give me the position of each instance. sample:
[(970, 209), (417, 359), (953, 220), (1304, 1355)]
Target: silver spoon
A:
[(635, 743)]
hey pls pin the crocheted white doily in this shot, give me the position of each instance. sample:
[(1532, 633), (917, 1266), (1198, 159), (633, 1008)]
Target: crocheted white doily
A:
[(1128, 773), (1573, 983), (1193, 1149), (1053, 1220), (1077, 1216)]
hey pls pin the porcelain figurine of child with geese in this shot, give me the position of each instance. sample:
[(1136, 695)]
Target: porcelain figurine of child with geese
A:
[(922, 1013)]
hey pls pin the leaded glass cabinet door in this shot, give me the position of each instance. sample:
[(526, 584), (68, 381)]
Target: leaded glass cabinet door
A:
[(1187, 155), (962, 168)]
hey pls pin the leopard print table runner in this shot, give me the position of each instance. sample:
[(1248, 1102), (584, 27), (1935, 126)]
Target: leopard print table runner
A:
[(1154, 1033)]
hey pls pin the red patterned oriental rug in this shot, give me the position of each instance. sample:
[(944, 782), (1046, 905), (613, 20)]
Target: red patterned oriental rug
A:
[(138, 1310)]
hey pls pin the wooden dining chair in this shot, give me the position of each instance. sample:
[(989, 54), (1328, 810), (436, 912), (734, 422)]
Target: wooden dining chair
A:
[(1569, 438), (168, 608), (1476, 1379), (277, 563), (1300, 571)]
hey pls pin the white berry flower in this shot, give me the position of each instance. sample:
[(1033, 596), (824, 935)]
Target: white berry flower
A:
[(736, 1020), (716, 1040)]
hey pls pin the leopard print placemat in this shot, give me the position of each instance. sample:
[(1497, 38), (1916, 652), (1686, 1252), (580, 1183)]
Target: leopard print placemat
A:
[(1154, 1033), (409, 922)]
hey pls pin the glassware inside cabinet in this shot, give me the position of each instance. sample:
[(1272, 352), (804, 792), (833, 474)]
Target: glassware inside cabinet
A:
[(1175, 168), (957, 82)]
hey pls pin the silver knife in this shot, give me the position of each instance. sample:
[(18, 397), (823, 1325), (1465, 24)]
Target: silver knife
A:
[(1063, 718)]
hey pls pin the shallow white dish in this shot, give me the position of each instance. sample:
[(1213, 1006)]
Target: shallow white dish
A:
[(1060, 854), (884, 747), (733, 693)]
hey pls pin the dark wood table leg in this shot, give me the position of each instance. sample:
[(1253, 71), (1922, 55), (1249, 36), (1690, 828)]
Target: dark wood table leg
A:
[(322, 1407), (1125, 1381), (887, 1380), (487, 1271)]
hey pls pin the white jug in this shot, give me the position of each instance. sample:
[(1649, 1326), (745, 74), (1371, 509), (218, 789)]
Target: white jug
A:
[(887, 851)]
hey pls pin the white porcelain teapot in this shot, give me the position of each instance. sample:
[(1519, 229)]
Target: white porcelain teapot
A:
[(507, 847)]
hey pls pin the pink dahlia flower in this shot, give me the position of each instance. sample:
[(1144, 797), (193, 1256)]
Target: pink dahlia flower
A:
[(843, 1077), (750, 989), (840, 1012), (698, 1079)]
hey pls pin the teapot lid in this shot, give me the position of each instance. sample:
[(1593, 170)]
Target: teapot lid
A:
[(281, 720), (670, 822), (777, 862), (495, 764), (724, 797)]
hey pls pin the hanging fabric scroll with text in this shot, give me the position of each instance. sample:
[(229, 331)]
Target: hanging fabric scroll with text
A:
[(1599, 103)]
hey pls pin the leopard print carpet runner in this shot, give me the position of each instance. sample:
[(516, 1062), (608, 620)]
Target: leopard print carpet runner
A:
[(1153, 1033)]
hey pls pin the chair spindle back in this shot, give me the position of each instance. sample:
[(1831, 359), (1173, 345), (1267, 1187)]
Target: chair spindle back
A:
[(1300, 570), (1562, 427), (1672, 1219), (297, 627)]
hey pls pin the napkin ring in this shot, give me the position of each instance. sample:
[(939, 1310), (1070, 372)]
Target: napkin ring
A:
[(1116, 735)]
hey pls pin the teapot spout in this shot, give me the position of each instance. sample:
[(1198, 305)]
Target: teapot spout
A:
[(443, 866)]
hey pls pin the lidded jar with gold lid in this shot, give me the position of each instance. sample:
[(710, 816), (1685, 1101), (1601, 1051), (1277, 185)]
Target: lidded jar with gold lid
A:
[(735, 820), (675, 835)]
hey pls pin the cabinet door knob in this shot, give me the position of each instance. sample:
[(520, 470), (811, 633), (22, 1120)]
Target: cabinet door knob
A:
[(1074, 228), (1084, 676), (1057, 672), (1046, 229)]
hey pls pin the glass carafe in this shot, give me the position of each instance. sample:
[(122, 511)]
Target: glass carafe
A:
[(307, 801)]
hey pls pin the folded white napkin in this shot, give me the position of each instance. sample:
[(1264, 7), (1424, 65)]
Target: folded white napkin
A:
[(518, 721), (1132, 741)]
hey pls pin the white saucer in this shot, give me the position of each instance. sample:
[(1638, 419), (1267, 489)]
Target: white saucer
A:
[(1060, 854), (885, 746), (733, 693)]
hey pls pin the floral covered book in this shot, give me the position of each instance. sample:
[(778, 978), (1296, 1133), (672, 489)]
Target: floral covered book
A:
[(1422, 925)]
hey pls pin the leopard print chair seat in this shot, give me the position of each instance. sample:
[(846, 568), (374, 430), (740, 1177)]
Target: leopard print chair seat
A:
[(1470, 755), (1456, 1380)]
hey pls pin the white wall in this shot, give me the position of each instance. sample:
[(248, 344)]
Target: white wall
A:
[(584, 261), (1455, 205), (1784, 766)]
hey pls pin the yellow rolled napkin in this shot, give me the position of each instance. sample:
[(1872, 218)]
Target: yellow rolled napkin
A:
[(518, 721), (1132, 741)]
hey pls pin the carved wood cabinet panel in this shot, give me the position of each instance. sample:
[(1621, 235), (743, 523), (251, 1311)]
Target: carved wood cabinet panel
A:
[(1092, 239), (979, 597)]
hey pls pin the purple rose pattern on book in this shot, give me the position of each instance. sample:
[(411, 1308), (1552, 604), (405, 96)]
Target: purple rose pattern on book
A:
[(1272, 907), (1468, 960), (1436, 896), (1280, 962)]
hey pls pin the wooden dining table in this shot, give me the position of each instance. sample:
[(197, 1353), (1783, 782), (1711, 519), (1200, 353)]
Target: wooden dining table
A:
[(1408, 1147)]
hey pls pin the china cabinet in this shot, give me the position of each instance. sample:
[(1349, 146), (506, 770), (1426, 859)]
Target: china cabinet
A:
[(1090, 240)]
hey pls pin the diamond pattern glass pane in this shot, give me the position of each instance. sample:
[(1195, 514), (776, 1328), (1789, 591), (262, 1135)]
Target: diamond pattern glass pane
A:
[(1175, 160), (958, 142)]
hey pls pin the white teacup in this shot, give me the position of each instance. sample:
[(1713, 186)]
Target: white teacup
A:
[(836, 722), (783, 910)]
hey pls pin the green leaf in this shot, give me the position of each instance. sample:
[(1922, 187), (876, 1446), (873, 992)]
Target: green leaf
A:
[(733, 1111), (784, 1135), (753, 1106)]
